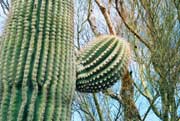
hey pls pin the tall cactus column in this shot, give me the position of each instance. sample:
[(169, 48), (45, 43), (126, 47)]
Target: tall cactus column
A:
[(37, 70)]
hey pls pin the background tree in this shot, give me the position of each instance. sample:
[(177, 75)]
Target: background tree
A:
[(152, 28)]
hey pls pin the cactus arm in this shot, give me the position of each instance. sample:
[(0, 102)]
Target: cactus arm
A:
[(100, 68)]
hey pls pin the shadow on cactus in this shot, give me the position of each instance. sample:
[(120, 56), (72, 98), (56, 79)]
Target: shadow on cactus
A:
[(101, 63)]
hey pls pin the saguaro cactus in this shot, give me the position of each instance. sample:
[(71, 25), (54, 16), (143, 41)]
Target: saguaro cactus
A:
[(37, 69), (102, 63), (37, 66)]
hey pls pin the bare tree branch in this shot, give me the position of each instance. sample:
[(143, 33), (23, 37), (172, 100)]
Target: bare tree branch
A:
[(98, 107), (148, 45), (110, 93), (91, 19), (107, 17), (5, 6)]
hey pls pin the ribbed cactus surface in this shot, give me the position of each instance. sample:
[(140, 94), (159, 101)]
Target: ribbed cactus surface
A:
[(37, 69), (101, 63)]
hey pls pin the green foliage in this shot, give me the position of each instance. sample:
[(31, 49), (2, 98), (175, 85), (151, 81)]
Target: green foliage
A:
[(102, 63)]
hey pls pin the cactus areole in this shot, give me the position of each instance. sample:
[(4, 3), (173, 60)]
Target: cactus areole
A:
[(37, 62)]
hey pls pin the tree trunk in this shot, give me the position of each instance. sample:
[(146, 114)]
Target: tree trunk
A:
[(127, 93)]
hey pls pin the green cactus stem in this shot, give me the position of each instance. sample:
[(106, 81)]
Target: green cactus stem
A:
[(102, 63), (37, 69)]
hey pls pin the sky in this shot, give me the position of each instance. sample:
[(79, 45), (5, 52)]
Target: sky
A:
[(2, 20)]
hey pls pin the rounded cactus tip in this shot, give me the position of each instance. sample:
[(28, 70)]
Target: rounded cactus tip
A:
[(101, 63)]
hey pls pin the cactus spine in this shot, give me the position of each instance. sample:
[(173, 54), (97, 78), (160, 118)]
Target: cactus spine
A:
[(37, 70), (102, 63)]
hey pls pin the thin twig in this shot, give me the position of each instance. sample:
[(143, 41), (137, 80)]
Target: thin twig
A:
[(98, 107), (148, 45)]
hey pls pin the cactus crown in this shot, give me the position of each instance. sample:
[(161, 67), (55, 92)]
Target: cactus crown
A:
[(102, 63)]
